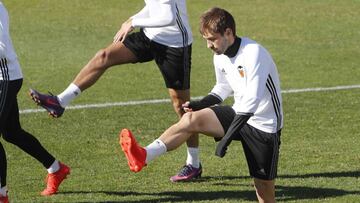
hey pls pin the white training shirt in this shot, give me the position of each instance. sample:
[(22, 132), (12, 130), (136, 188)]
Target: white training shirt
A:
[(252, 77), (165, 22), (9, 64)]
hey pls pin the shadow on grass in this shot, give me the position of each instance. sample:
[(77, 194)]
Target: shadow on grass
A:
[(286, 193), (344, 174), (175, 196), (283, 193)]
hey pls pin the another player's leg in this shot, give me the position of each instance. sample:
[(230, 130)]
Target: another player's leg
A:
[(192, 169), (114, 54), (3, 168), (265, 190), (57, 173), (7, 101), (13, 133)]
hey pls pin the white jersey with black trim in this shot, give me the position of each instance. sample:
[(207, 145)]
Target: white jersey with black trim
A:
[(251, 75), (165, 22), (9, 64)]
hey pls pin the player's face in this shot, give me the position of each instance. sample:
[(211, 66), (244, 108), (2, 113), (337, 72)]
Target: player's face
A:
[(216, 42)]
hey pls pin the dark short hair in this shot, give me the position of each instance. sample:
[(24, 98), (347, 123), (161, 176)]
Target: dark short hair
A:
[(216, 20)]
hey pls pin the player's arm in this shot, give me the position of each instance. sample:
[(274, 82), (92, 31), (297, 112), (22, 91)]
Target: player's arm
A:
[(207, 101), (3, 31), (2, 44), (127, 27), (163, 15), (218, 94), (222, 87), (160, 14), (143, 13)]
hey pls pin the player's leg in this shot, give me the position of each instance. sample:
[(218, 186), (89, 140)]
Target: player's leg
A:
[(175, 65), (114, 54), (265, 190), (57, 171), (179, 97), (135, 48), (3, 172), (13, 133), (204, 121), (4, 113), (262, 151)]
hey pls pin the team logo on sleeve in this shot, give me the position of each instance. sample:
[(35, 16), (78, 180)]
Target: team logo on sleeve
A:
[(241, 71), (223, 70)]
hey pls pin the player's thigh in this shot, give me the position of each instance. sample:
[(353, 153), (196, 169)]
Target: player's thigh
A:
[(262, 152), (174, 64), (118, 53), (206, 122)]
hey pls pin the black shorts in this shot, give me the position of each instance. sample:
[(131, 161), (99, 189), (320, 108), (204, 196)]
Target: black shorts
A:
[(174, 63), (261, 149)]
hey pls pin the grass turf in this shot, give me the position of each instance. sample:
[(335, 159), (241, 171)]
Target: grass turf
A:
[(314, 43)]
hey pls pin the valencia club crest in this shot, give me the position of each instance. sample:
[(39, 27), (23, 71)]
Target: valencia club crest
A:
[(241, 71)]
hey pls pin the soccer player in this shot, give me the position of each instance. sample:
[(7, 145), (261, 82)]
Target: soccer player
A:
[(165, 37), (245, 69), (10, 83)]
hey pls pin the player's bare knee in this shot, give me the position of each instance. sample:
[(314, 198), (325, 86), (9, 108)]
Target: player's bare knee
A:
[(186, 120), (190, 122), (101, 59)]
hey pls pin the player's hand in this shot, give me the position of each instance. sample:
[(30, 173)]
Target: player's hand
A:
[(125, 29), (186, 107)]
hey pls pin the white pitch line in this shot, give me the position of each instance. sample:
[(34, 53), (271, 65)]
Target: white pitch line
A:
[(157, 101), (320, 89)]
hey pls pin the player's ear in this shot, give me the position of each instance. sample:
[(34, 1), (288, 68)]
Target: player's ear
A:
[(228, 32)]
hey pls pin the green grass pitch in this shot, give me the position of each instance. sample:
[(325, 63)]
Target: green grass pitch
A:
[(315, 43)]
